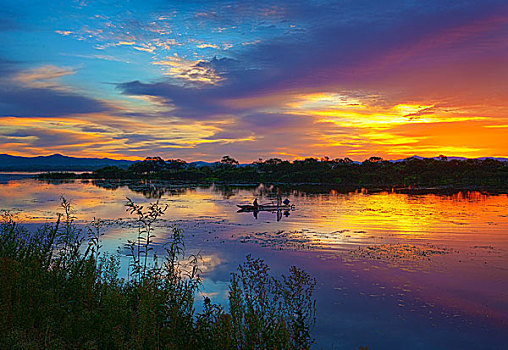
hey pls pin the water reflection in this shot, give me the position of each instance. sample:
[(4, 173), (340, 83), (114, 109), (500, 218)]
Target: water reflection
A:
[(442, 255), (150, 190), (278, 212), (154, 189), (322, 207), (325, 218)]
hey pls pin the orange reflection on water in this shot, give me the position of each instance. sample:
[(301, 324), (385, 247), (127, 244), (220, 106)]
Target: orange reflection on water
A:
[(469, 228), (362, 216), (36, 201), (328, 219)]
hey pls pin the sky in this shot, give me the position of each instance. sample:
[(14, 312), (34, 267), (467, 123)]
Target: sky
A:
[(254, 79)]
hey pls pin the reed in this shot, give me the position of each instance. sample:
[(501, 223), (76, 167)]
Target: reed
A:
[(60, 291)]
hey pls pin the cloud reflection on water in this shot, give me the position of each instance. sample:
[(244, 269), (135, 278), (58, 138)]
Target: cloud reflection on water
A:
[(460, 293)]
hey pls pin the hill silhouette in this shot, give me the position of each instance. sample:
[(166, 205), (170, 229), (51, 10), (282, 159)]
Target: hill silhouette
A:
[(57, 162)]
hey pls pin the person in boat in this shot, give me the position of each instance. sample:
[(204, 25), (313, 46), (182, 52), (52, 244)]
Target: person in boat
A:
[(255, 203), (286, 201)]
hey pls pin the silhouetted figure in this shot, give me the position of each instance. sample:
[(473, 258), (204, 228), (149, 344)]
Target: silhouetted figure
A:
[(286, 201), (256, 202)]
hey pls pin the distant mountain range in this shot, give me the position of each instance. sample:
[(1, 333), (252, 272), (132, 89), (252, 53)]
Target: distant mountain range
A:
[(58, 162), (450, 158)]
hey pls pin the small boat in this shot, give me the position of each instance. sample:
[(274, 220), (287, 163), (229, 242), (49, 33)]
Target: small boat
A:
[(265, 207)]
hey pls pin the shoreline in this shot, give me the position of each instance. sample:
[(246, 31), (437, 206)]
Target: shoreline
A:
[(371, 188)]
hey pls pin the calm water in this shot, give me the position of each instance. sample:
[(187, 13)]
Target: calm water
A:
[(394, 271)]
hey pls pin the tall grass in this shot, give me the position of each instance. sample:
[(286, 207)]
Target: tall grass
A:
[(60, 291)]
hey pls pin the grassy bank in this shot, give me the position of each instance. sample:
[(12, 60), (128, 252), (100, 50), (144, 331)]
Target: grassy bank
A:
[(60, 291)]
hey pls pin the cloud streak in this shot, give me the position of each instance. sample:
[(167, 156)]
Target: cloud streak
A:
[(34, 93)]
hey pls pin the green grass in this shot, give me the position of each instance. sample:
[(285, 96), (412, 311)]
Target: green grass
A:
[(60, 291)]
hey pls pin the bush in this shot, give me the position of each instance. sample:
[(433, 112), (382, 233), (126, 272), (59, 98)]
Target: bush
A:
[(59, 291)]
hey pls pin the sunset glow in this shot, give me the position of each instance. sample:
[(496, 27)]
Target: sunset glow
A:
[(292, 79)]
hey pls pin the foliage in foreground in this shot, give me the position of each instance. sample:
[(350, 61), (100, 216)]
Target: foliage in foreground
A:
[(59, 291)]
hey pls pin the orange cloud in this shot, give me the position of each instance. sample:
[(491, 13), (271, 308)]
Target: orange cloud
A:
[(188, 70)]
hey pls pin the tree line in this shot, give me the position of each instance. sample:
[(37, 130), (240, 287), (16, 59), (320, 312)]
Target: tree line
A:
[(373, 171)]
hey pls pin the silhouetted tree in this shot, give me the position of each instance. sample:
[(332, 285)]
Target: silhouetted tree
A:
[(176, 164), (229, 161), (373, 171), (373, 160), (149, 165)]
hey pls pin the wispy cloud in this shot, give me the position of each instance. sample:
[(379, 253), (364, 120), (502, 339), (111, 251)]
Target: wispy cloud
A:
[(206, 45), (63, 32), (37, 92), (189, 70), (42, 77)]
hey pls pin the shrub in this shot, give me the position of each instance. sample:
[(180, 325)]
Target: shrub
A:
[(59, 291)]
